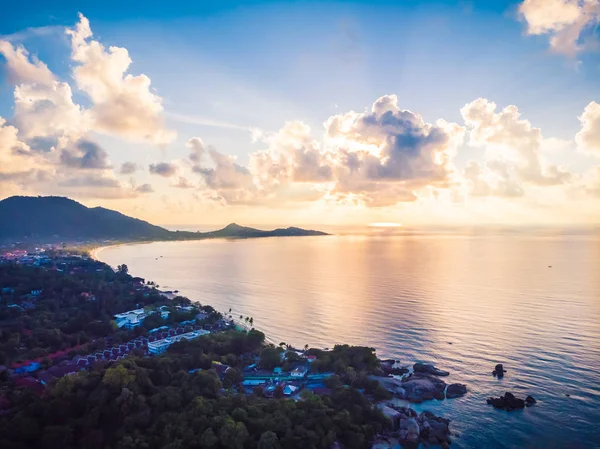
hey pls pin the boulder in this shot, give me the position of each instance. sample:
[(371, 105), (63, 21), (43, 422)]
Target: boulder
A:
[(429, 369), (412, 429), (507, 402), (434, 429), (419, 387), (399, 371), (499, 370), (529, 401), (456, 390)]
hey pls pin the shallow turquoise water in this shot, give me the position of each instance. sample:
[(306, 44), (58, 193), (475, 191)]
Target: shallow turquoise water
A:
[(464, 301)]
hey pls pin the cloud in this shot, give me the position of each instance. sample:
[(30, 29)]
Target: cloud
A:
[(144, 188), (196, 145), (122, 104), (165, 169), (567, 22), (512, 144), (588, 138), (226, 174), (49, 111), (21, 69), (85, 154), (128, 168), (183, 183)]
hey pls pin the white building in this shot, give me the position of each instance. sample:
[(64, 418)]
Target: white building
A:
[(160, 346), (131, 318), (299, 372)]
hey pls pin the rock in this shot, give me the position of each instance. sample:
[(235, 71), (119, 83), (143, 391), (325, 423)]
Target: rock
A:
[(499, 370), (399, 371), (429, 369), (507, 402), (529, 401), (419, 387), (456, 390), (413, 431)]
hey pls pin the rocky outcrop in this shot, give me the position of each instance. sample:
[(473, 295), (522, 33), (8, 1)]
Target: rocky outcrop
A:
[(413, 429), (456, 390), (419, 387), (499, 370), (507, 402), (529, 401), (429, 369), (389, 368)]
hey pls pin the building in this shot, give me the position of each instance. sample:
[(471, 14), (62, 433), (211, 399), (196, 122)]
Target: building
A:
[(160, 346), (130, 319), (299, 372)]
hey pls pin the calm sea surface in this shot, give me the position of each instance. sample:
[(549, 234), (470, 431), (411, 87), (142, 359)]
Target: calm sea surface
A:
[(464, 301)]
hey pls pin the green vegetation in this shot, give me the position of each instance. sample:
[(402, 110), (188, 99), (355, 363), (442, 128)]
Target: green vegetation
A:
[(189, 397)]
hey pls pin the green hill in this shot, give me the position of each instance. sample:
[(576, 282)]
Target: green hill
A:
[(51, 217)]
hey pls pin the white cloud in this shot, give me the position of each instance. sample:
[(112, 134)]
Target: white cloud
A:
[(123, 104), (567, 22), (588, 138), (511, 142), (21, 69)]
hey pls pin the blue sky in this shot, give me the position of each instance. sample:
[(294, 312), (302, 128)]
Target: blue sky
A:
[(223, 68)]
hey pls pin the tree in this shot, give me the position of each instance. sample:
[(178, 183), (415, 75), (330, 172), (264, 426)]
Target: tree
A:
[(122, 269), (269, 440), (269, 358)]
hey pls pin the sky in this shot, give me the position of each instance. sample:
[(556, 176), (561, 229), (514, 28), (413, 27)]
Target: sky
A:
[(292, 113)]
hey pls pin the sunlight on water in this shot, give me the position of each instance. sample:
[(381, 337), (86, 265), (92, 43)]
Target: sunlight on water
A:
[(464, 301)]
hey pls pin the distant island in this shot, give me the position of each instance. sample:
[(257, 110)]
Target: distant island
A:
[(44, 218)]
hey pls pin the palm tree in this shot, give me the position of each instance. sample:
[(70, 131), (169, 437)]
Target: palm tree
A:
[(246, 319), (306, 347), (251, 321)]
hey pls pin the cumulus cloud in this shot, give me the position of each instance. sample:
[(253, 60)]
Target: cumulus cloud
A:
[(588, 138), (379, 157), (513, 145), (387, 153), (128, 168), (43, 111), (567, 22), (85, 154), (196, 146), (123, 104), (144, 188), (165, 169), (21, 70)]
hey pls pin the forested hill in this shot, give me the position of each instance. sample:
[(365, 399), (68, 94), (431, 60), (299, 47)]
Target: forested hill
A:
[(51, 217)]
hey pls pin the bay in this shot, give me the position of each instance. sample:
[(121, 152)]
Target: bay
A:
[(463, 300)]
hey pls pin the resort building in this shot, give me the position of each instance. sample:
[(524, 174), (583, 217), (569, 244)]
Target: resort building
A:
[(299, 372), (160, 346), (130, 319)]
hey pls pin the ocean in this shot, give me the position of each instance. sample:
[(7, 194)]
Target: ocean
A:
[(463, 300)]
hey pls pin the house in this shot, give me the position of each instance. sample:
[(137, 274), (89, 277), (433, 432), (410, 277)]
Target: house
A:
[(311, 358), (201, 316), (26, 367), (299, 372), (185, 308), (160, 346), (290, 389)]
